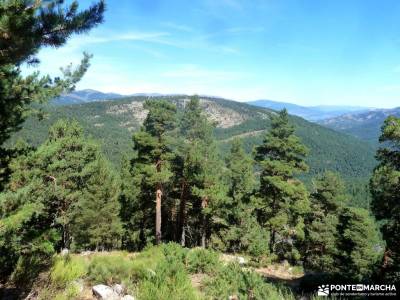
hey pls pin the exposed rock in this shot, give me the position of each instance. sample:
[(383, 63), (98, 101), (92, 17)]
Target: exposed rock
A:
[(224, 117), (64, 252), (233, 297), (228, 258), (104, 292), (128, 297), (241, 260), (119, 289), (135, 108)]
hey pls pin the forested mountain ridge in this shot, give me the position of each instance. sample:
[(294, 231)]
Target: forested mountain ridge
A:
[(365, 125), (207, 198), (113, 123)]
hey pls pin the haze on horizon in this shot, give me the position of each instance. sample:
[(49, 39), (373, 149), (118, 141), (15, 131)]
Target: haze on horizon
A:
[(308, 53)]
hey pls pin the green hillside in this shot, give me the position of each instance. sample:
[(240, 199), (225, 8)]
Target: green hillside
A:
[(365, 126), (113, 122)]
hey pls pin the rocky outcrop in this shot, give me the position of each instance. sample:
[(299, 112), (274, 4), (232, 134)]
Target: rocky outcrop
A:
[(104, 292), (116, 292)]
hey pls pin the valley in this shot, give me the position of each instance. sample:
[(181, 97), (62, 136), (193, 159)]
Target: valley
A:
[(113, 123)]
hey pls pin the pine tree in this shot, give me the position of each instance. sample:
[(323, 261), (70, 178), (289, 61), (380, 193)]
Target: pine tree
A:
[(239, 230), (46, 189), (132, 211), (359, 247), (151, 168), (25, 28), (385, 189), (284, 199), (95, 221), (193, 128), (327, 200), (200, 181)]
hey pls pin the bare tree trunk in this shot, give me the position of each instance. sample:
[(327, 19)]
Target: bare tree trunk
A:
[(182, 216), (183, 237), (204, 204), (272, 241), (158, 215)]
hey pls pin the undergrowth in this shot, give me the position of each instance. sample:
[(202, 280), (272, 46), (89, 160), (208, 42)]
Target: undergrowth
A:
[(158, 272)]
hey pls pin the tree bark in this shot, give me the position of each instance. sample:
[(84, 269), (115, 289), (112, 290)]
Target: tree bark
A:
[(182, 216), (272, 241), (204, 204), (158, 215)]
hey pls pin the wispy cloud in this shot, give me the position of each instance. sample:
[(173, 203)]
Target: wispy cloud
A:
[(80, 42), (232, 4), (191, 71), (178, 27)]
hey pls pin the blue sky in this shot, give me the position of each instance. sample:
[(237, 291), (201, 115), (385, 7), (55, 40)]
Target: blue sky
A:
[(301, 51)]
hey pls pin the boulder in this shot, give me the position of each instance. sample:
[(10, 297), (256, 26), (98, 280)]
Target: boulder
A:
[(104, 292), (118, 289), (128, 297)]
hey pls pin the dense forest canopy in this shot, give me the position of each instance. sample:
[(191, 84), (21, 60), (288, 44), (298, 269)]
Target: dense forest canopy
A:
[(188, 182)]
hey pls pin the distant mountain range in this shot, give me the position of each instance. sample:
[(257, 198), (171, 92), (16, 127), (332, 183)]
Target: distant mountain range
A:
[(113, 122), (365, 125), (84, 96), (88, 95), (311, 113), (361, 122)]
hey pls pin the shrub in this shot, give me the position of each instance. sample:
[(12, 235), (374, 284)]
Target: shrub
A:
[(199, 260), (175, 250), (233, 280), (67, 269), (109, 269), (170, 280)]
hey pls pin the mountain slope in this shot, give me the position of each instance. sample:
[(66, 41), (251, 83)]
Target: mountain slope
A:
[(365, 126), (311, 113), (113, 122)]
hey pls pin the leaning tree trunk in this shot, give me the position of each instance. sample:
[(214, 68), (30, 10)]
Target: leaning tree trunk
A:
[(158, 214)]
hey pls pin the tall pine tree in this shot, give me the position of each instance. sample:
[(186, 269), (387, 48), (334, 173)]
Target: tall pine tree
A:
[(62, 184), (200, 181), (327, 200), (151, 166), (284, 199), (239, 230), (359, 247), (25, 28), (385, 188)]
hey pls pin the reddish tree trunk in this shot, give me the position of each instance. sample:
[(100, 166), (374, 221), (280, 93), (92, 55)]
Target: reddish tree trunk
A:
[(182, 216), (158, 215)]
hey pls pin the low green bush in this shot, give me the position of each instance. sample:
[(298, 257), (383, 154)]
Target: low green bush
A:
[(199, 260), (67, 269), (245, 284), (109, 269), (170, 279)]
